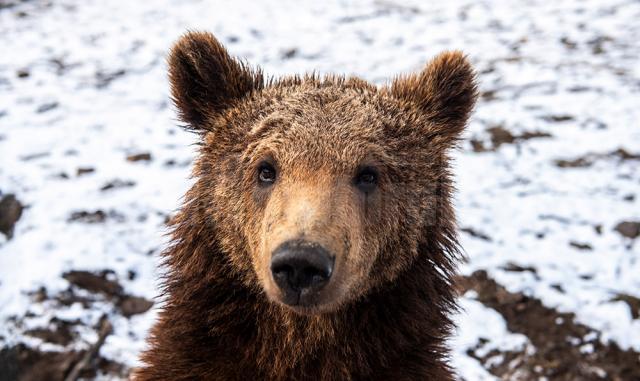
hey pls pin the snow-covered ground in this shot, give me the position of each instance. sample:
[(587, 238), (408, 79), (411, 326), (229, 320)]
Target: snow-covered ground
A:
[(550, 168)]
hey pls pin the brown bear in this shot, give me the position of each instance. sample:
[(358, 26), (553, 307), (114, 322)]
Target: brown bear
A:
[(319, 240)]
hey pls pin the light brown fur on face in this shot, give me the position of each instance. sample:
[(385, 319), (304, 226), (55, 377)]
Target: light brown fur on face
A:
[(381, 308), (316, 201)]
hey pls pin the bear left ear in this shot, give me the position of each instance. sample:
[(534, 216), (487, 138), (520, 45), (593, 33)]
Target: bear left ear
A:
[(205, 79), (445, 91)]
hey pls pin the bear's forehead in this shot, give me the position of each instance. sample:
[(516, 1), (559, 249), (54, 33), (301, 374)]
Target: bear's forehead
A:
[(335, 125)]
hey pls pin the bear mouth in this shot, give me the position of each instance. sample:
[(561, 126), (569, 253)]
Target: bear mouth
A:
[(306, 299)]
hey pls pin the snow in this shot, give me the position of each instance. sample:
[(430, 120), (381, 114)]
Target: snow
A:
[(513, 195), (477, 323)]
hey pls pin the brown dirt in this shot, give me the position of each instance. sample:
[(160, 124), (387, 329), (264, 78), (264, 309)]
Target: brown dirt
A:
[(589, 159), (500, 135), (94, 217), (21, 363), (143, 156), (564, 349), (24, 363)]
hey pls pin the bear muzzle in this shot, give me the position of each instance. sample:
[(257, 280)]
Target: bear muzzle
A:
[(301, 269)]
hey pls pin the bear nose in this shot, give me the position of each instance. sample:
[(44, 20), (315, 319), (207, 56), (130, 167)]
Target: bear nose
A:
[(300, 267)]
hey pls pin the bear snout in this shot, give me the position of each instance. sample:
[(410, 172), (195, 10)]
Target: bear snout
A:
[(301, 269)]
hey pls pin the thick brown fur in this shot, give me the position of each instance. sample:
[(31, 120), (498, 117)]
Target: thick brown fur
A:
[(386, 315)]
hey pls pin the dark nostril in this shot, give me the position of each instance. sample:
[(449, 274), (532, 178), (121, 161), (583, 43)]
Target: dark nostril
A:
[(299, 265), (282, 269)]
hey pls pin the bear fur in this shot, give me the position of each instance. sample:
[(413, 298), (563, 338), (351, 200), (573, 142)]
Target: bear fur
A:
[(387, 316)]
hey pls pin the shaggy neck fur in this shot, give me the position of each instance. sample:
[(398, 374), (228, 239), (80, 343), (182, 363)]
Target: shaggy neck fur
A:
[(214, 327)]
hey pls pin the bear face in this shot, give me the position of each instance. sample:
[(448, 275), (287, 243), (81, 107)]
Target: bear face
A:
[(319, 190)]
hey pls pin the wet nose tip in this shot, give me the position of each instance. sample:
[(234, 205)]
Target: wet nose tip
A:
[(299, 265)]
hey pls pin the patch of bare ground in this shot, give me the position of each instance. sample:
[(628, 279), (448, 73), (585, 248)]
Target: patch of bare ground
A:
[(499, 135), (563, 349), (589, 159), (24, 362)]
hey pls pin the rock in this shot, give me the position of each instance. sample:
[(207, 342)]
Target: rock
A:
[(133, 305), (117, 183), (40, 295), (587, 160), (69, 297), (59, 332), (478, 146), (533, 135), (516, 268), (629, 229), (476, 234), (289, 53), (84, 170), (10, 213), (47, 107), (488, 95), (95, 217), (28, 364), (23, 73), (34, 156), (103, 79), (557, 118), (623, 154), (88, 217), (580, 245), (632, 301), (580, 162), (96, 283), (500, 135), (144, 156), (568, 43)]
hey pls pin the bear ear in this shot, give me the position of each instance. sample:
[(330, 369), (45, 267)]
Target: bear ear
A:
[(445, 91), (205, 80)]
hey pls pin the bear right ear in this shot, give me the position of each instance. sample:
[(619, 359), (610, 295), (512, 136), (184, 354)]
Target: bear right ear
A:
[(445, 92), (205, 80)]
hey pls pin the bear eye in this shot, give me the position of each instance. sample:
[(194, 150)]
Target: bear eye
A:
[(266, 173), (367, 179)]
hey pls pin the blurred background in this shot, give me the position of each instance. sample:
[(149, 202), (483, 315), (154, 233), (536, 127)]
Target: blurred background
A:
[(93, 163)]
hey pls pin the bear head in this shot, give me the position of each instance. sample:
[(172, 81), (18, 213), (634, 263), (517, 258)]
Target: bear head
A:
[(319, 190)]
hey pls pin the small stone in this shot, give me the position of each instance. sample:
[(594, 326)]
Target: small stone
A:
[(581, 162), (633, 303), (598, 229), (23, 73), (94, 217), (47, 107), (84, 170), (629, 229), (500, 135), (117, 184), (96, 283), (10, 213), (133, 305), (557, 118), (289, 53), (580, 246), (144, 156)]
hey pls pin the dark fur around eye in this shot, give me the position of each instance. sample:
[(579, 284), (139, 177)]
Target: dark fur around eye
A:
[(366, 180)]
